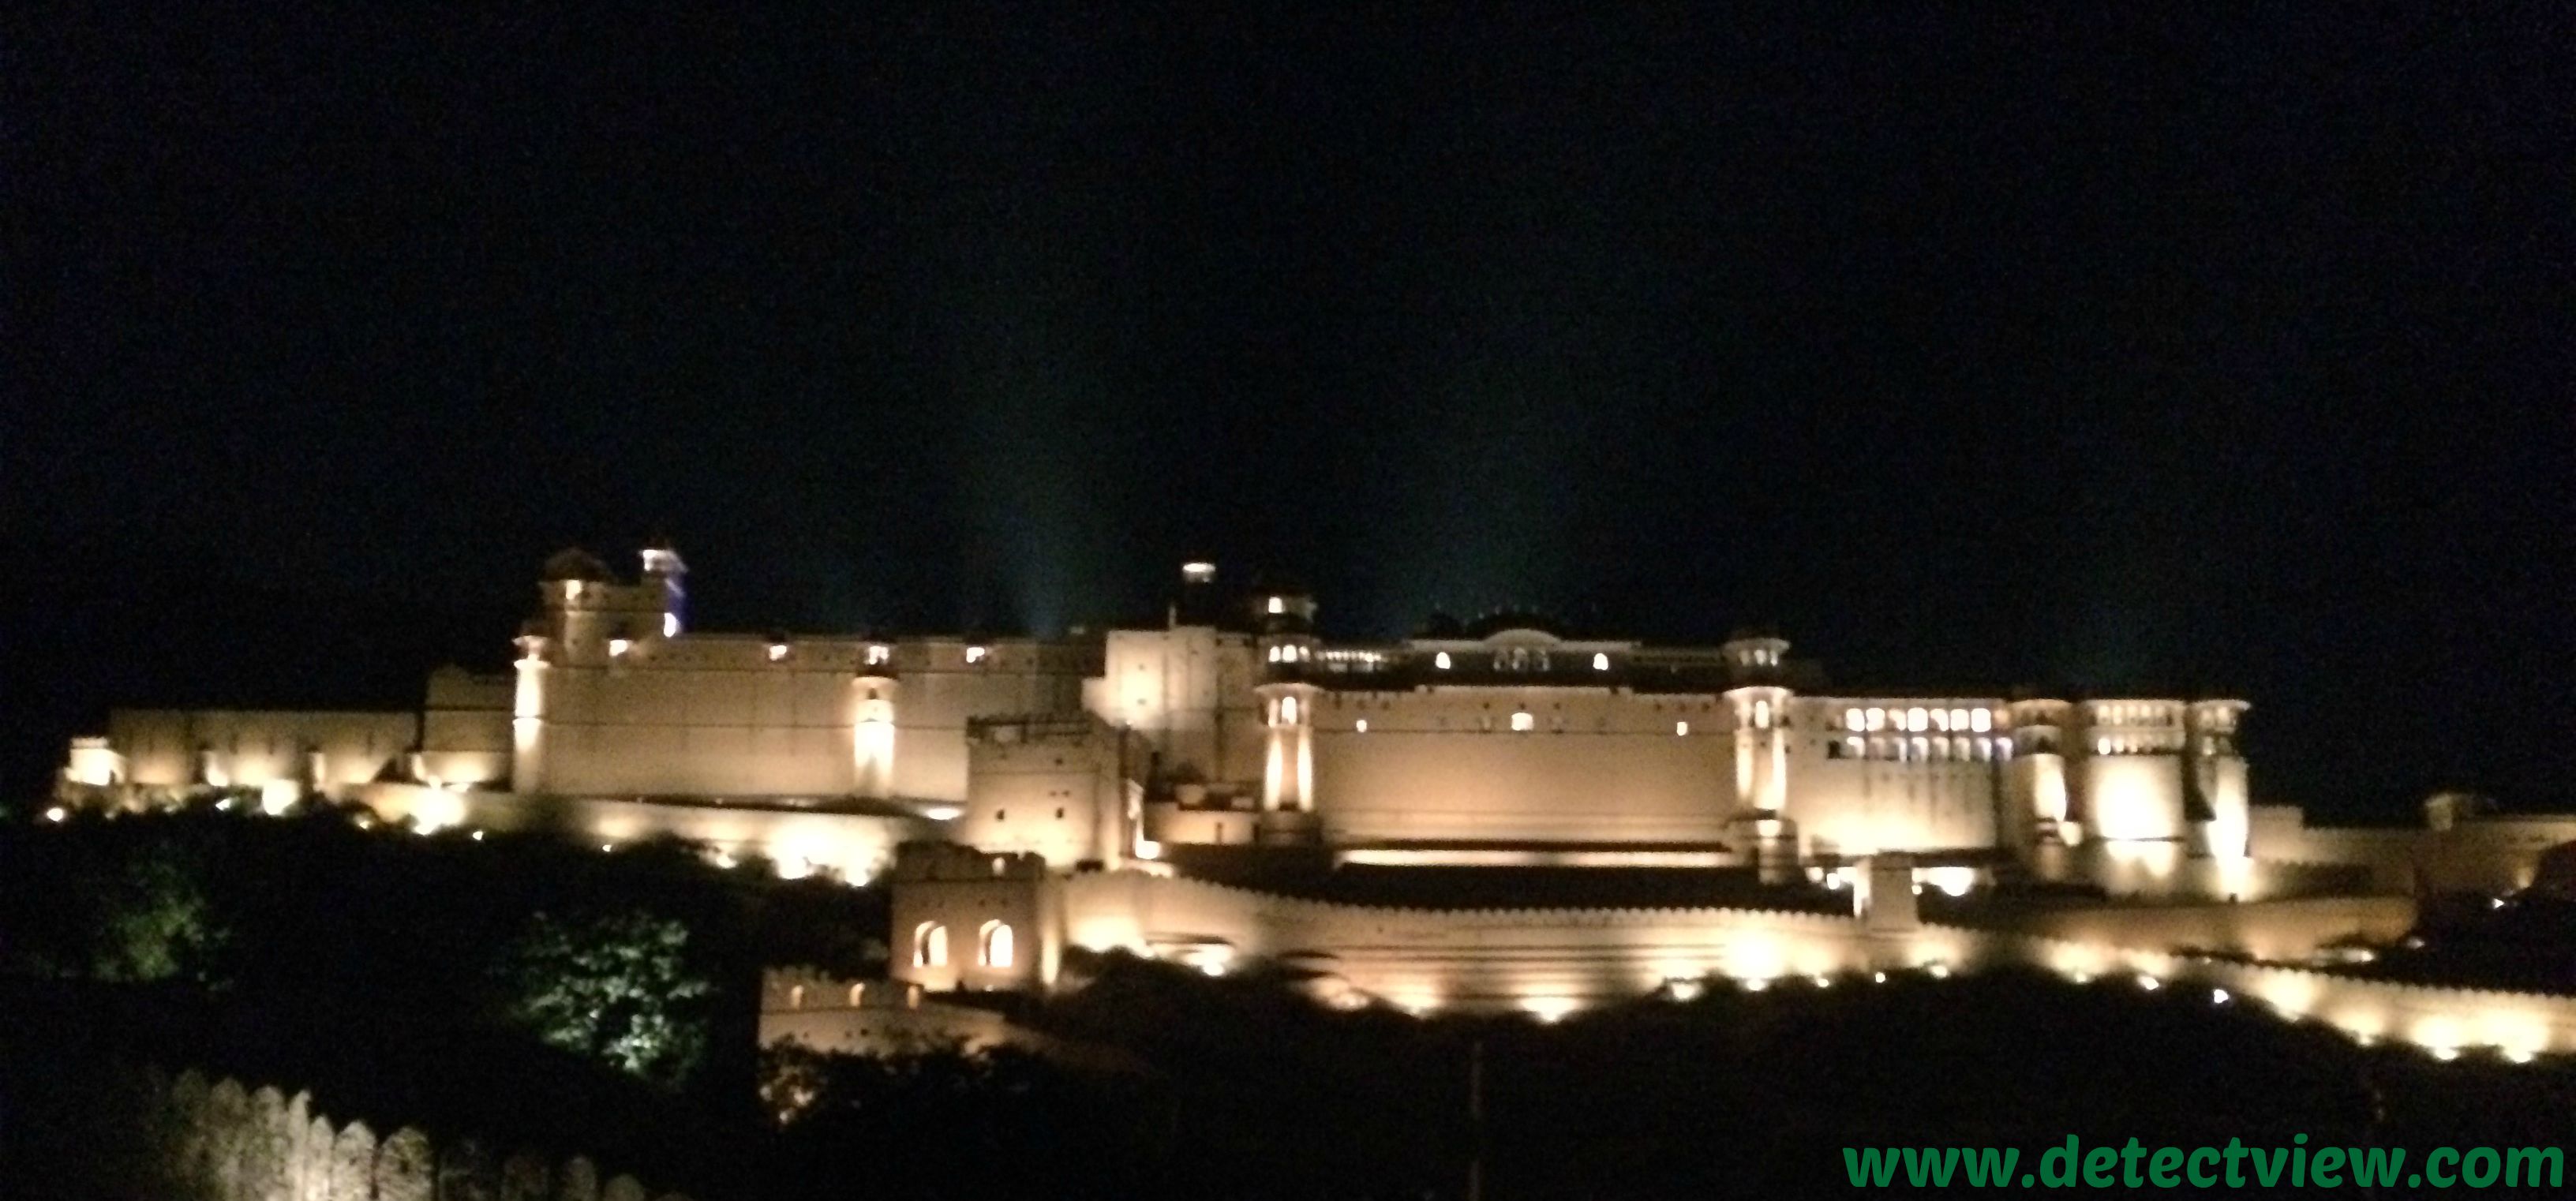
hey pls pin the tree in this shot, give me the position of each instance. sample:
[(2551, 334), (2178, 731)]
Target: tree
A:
[(619, 987)]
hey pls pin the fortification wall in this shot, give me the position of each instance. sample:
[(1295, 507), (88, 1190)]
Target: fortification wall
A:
[(2276, 931), (1538, 960), (853, 846), (155, 1137), (2447, 1021)]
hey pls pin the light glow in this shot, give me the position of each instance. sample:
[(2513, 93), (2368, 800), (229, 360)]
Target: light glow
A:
[(1600, 662), (618, 647), (777, 651), (57, 814), (1548, 1010), (1441, 660), (974, 654), (1522, 722)]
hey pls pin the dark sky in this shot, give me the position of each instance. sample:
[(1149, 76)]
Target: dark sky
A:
[(2136, 350)]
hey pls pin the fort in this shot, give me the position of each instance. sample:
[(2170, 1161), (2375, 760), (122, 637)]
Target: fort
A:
[(1209, 788)]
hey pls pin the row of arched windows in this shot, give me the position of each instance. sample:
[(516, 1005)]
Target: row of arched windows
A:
[(995, 945), (1919, 720), (1922, 750)]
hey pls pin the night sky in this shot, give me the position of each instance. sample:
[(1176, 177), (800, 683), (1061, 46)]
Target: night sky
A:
[(2135, 351)]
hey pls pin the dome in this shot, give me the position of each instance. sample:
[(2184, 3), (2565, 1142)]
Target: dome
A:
[(574, 563), (1506, 620)]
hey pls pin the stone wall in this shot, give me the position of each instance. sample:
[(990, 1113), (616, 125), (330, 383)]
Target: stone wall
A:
[(191, 1140), (1534, 960), (2444, 1021)]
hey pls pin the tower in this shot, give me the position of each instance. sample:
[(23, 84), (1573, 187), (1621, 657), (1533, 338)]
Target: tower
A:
[(2038, 814), (873, 693), (1286, 619), (1759, 706), (2217, 776)]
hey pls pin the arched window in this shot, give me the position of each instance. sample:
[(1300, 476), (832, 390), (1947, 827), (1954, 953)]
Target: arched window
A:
[(1600, 662), (1523, 722), (1441, 660), (1922, 749), (796, 997), (930, 945), (993, 945), (1877, 720), (1980, 721), (1852, 720), (1287, 710), (1762, 715), (1917, 720)]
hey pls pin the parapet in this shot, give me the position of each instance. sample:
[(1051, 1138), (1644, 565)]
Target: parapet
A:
[(945, 862)]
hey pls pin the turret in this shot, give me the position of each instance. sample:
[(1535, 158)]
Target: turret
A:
[(1754, 658), (1288, 762), (663, 570)]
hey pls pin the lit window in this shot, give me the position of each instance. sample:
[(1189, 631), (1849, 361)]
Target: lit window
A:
[(1270, 654), (1278, 604), (974, 654), (1681, 727), (1853, 720), (1762, 715), (617, 646), (1916, 720), (1523, 722), (1857, 748), (777, 651), (1878, 719), (993, 947), (1362, 726), (670, 625), (1288, 710), (1981, 721), (1600, 662), (1441, 660), (2003, 749), (2103, 747), (1941, 720), (930, 945), (1922, 750), (1959, 749), (879, 654)]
